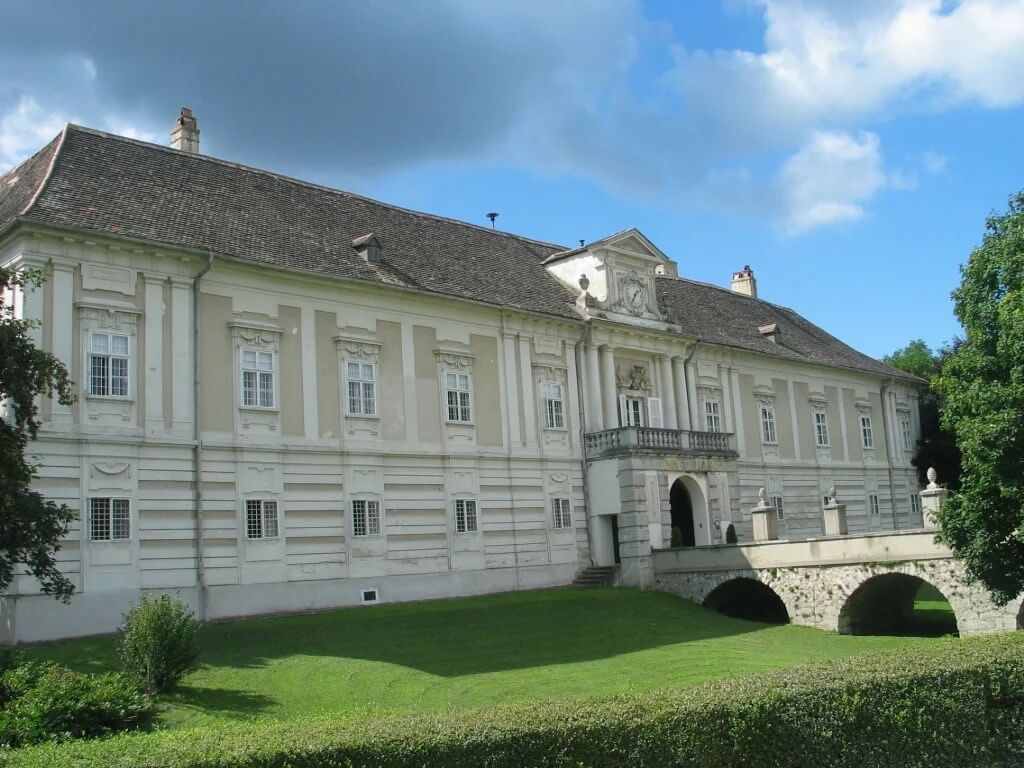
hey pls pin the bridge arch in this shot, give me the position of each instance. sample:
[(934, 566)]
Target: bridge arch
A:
[(749, 598), (884, 603)]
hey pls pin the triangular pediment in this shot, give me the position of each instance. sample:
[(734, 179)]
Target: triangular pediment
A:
[(631, 242)]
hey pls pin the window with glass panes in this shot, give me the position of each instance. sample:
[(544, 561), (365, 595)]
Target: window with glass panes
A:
[(109, 519), (821, 429), (562, 513), (108, 364), (457, 395), (776, 502), (465, 516), (554, 406), (905, 430), (362, 388), (768, 434), (257, 379), (261, 520), (873, 506), (867, 437), (365, 517), (634, 408), (915, 503), (712, 416)]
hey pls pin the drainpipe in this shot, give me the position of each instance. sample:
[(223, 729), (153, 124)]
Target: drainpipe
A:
[(580, 362), (197, 446), (888, 450)]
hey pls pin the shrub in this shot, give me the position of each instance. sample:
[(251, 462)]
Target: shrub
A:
[(157, 643), (948, 703), (730, 534), (45, 701)]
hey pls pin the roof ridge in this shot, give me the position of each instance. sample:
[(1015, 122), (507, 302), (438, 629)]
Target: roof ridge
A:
[(728, 291), (311, 185), (49, 170)]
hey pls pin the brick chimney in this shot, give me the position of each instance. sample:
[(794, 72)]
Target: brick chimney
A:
[(744, 282), (185, 135)]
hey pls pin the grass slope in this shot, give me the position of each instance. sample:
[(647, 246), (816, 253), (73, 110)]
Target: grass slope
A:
[(469, 652)]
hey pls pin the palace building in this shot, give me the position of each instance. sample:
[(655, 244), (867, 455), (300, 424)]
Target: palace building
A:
[(291, 397)]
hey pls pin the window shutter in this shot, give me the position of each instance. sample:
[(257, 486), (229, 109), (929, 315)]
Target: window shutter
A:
[(623, 414), (654, 413)]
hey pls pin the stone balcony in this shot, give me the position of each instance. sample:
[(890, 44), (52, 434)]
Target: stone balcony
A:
[(626, 441)]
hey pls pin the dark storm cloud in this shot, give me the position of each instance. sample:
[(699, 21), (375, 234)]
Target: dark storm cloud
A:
[(363, 86)]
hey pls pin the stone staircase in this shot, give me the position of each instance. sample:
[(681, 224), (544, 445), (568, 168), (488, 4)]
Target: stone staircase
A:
[(594, 576)]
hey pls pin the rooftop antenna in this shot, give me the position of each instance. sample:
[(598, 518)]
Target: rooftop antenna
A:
[(581, 242), (492, 216)]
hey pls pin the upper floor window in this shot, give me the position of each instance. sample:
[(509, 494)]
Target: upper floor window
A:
[(768, 434), (821, 429), (554, 406), (261, 521), (562, 513), (905, 431), (109, 519), (632, 410), (780, 512), (365, 517), (465, 516), (712, 416), (873, 503), (867, 436), (362, 389), (108, 364), (457, 392), (257, 379)]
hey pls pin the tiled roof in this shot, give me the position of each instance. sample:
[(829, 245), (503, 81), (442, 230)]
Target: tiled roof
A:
[(719, 316), (124, 187)]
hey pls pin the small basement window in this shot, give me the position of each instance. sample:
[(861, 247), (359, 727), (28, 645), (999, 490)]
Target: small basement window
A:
[(369, 596)]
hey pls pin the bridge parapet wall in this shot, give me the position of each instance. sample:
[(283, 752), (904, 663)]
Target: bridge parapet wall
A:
[(816, 578)]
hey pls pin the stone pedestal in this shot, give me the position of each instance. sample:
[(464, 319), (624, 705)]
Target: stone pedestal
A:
[(835, 520), (932, 499), (765, 519)]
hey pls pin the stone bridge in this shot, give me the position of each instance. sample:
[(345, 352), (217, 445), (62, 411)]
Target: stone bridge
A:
[(851, 584)]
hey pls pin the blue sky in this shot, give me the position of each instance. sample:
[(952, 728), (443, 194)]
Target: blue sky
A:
[(849, 152)]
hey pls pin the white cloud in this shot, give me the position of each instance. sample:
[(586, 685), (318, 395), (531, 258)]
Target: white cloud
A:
[(829, 179), (933, 162), (24, 129)]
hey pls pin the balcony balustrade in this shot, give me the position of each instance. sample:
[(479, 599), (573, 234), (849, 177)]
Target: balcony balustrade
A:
[(629, 440)]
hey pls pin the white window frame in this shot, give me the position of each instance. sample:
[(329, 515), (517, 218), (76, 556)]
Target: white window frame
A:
[(561, 512), (915, 504), (769, 425), (367, 389), (109, 356), (261, 516), (463, 406), (632, 410), (467, 516), (867, 432), (821, 432), (108, 525), (258, 372), (712, 416), (906, 431), (874, 505), (366, 518), (778, 502), (553, 401)]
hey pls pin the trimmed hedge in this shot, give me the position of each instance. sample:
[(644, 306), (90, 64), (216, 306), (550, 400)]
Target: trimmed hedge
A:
[(948, 703)]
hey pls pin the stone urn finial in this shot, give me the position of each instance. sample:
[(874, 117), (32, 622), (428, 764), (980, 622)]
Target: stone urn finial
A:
[(832, 494), (584, 282), (932, 477), (761, 499)]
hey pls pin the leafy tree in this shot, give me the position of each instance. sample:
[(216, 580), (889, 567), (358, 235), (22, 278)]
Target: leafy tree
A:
[(937, 446), (982, 383), (30, 526)]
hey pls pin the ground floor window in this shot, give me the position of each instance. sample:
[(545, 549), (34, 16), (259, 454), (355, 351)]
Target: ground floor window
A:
[(562, 512), (465, 516), (109, 519), (873, 506), (777, 503), (915, 503), (261, 520), (365, 517)]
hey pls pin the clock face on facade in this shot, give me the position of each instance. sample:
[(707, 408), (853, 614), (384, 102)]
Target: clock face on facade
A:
[(636, 293)]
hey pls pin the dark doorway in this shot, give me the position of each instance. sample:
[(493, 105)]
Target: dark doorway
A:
[(897, 604), (682, 516), (615, 539), (748, 599)]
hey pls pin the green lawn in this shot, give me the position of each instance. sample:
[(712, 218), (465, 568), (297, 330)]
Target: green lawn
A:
[(933, 615), (469, 652)]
